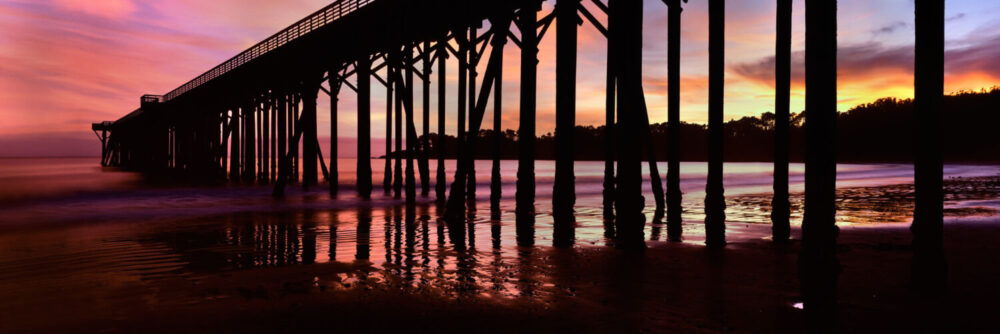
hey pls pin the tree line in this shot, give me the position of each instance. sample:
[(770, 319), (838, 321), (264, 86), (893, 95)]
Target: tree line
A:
[(880, 131)]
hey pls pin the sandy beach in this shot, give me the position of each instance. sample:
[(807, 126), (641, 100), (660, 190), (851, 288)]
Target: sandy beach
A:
[(235, 260)]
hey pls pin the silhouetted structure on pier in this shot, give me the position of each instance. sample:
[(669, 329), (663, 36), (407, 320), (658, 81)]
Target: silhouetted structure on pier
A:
[(253, 118)]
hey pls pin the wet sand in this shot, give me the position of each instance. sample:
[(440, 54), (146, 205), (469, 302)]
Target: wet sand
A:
[(234, 260), (748, 287)]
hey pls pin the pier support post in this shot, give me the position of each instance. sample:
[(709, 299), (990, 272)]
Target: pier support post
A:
[(364, 168), (527, 22), (397, 182), (310, 175), (234, 140), (818, 264), (334, 178), (463, 72), (609, 124), (440, 182), (293, 144), (411, 132), (780, 205), (473, 74), (674, 120), (425, 142), (265, 174), (564, 188), (929, 266), (715, 201), (282, 134), (387, 174), (455, 213), (629, 202), (250, 138), (495, 186)]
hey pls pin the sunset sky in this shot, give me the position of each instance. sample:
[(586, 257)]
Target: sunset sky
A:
[(67, 63)]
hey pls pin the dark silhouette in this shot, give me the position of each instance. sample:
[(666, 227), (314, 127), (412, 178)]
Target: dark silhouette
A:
[(609, 123), (440, 180), (526, 22), (394, 76), (473, 74), (656, 184), (674, 120), (495, 190), (463, 72), (387, 175), (310, 147), (411, 131), (818, 265), (564, 188), (929, 266), (780, 205), (715, 202), (425, 147), (364, 166), (333, 178), (627, 33), (457, 200)]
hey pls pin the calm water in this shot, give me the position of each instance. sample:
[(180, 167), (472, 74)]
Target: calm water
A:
[(113, 234)]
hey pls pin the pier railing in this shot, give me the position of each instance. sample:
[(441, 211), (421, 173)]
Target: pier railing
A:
[(309, 24)]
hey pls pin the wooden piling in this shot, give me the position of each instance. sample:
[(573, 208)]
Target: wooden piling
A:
[(364, 162), (564, 188), (525, 196), (715, 202)]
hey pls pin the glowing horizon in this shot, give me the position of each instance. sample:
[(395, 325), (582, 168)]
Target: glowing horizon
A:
[(68, 63)]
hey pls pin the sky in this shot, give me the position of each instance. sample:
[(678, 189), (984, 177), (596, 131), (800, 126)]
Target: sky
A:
[(65, 64)]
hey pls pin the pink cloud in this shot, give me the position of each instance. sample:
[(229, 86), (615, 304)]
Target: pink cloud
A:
[(114, 9)]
